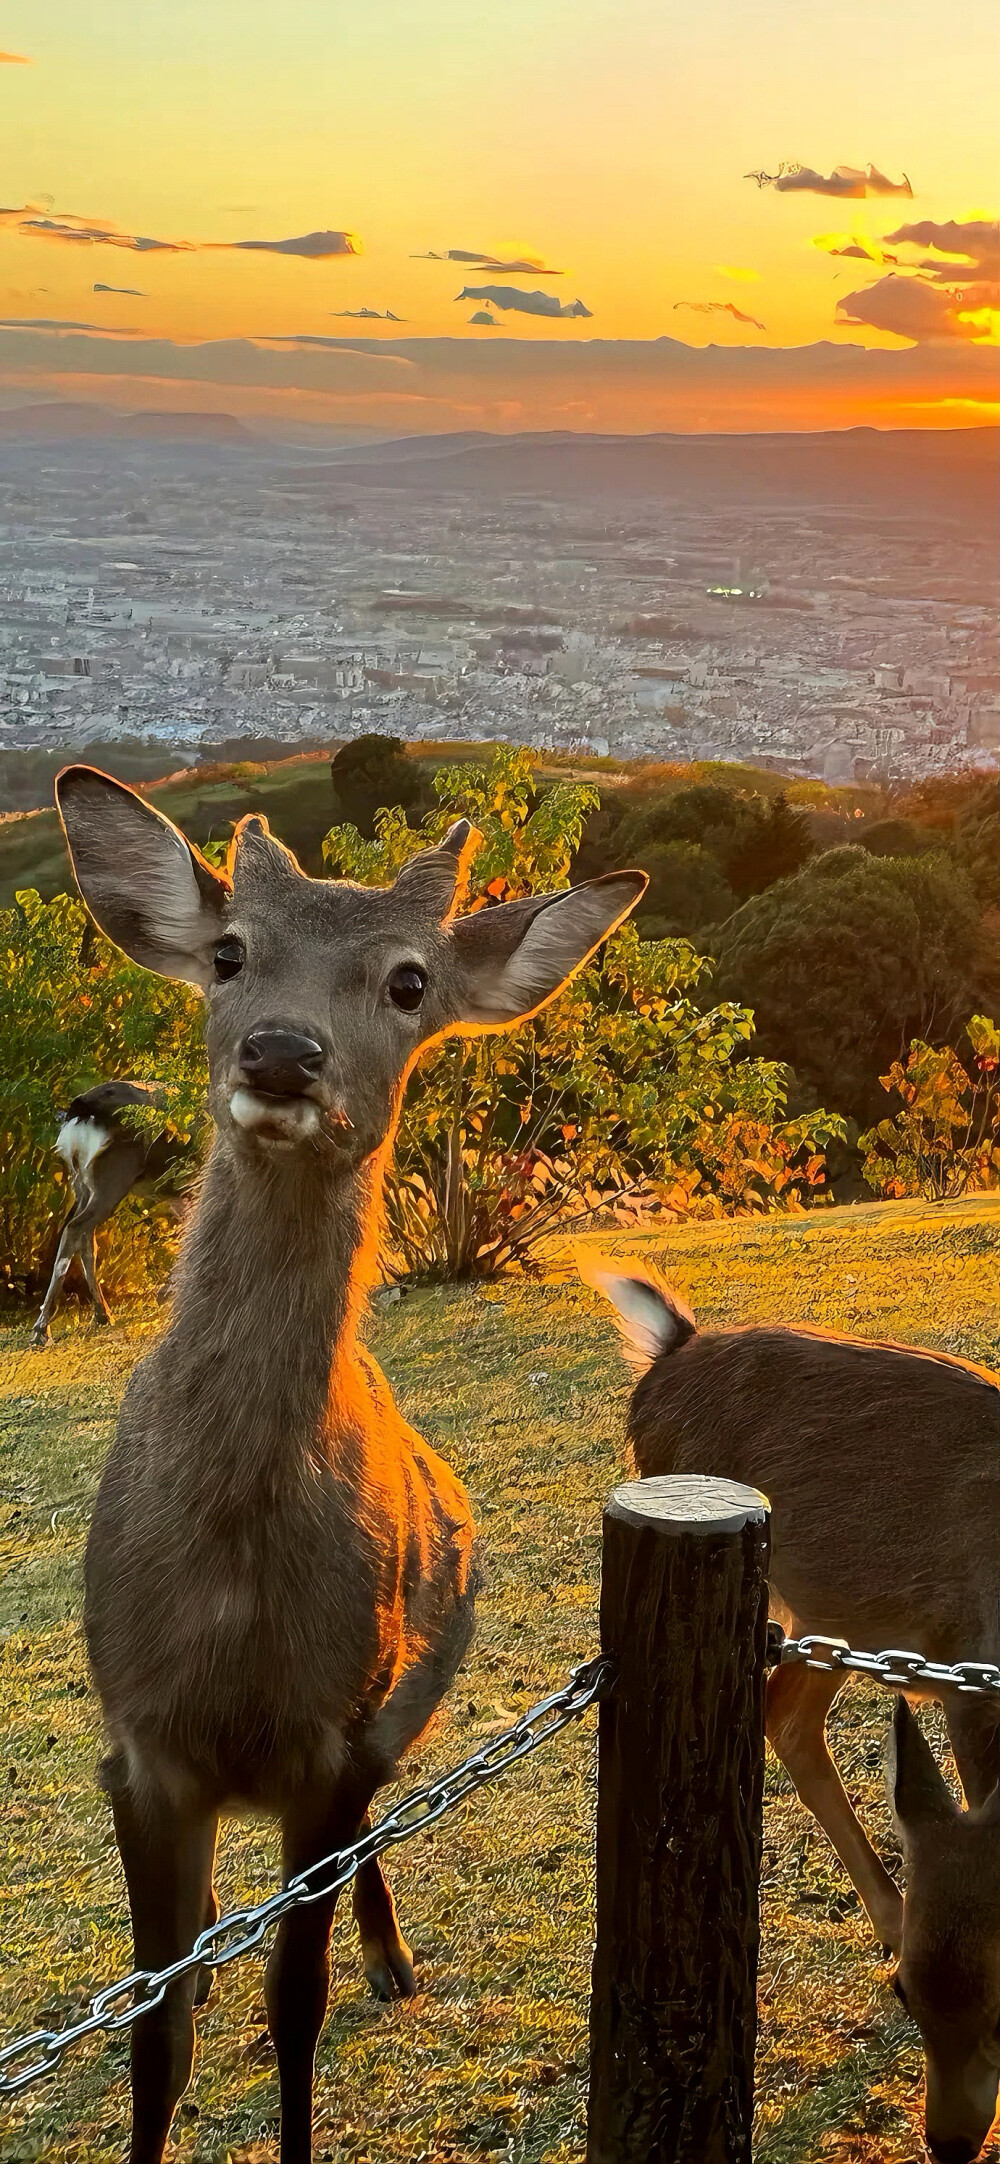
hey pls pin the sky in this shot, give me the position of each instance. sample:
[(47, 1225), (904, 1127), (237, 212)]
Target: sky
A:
[(415, 215)]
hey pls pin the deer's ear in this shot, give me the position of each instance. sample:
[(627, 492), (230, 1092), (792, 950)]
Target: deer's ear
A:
[(515, 958), (918, 1793), (152, 894), (429, 883)]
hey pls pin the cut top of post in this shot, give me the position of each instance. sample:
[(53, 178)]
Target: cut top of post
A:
[(688, 1503)]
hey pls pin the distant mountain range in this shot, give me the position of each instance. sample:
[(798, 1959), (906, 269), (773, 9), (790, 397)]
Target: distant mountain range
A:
[(949, 473), (82, 422)]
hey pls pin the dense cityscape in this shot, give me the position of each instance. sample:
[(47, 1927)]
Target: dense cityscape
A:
[(197, 595)]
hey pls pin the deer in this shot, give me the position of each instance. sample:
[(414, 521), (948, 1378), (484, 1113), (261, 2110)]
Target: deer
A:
[(280, 1575), (106, 1158), (882, 1468)]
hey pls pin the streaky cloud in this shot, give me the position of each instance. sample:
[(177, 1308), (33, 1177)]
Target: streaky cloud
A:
[(520, 266), (14, 60), (721, 308), (851, 181), (32, 223), (134, 292), (524, 304), (368, 315), (865, 251), (58, 323)]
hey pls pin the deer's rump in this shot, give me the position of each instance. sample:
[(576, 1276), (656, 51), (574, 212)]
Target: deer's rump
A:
[(881, 1465)]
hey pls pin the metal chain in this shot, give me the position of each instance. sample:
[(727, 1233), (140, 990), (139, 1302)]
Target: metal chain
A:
[(118, 2005), (900, 1670)]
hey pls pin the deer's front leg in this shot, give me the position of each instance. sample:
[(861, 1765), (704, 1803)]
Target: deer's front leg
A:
[(167, 1859), (297, 1982)]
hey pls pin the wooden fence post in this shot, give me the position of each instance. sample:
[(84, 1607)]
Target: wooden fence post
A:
[(679, 1817)]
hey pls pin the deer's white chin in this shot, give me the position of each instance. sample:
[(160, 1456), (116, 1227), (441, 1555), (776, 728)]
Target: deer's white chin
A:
[(280, 1122)]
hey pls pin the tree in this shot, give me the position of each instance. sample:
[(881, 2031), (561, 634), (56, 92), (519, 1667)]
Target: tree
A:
[(370, 773), (945, 1139), (686, 890), (753, 840), (625, 1095), (847, 961), (777, 842)]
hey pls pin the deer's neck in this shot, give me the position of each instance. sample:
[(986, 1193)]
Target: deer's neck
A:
[(259, 1367)]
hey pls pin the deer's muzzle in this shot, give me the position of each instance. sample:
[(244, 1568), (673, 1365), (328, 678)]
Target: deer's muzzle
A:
[(279, 1062)]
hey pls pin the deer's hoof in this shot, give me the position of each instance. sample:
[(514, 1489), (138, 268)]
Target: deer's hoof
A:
[(100, 1321), (389, 1968), (39, 1337)]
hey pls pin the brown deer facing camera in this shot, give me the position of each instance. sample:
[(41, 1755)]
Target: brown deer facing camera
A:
[(280, 1575), (882, 1468)]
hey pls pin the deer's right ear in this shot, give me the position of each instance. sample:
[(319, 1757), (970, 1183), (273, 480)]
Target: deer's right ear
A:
[(917, 1791), (152, 894)]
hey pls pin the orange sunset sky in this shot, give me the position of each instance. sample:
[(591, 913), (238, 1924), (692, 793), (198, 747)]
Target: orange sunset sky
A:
[(725, 216)]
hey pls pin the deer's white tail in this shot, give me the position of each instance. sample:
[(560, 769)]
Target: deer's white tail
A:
[(652, 1318)]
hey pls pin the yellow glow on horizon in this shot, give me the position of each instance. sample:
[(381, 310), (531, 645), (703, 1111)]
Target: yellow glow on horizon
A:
[(534, 133)]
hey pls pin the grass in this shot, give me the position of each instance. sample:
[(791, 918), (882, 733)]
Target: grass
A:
[(521, 1387)]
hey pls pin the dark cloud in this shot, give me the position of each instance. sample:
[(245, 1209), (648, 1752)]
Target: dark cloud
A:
[(524, 304), (134, 292), (935, 300), (376, 315), (483, 316), (547, 381), (908, 306), (720, 308), (974, 280), (522, 266), (845, 180), (315, 247), (94, 233)]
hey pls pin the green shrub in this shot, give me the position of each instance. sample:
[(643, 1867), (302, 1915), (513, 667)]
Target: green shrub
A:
[(624, 1096), (945, 1139)]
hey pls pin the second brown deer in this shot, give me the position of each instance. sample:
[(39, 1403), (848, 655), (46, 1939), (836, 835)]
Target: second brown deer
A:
[(882, 1468), (279, 1573)]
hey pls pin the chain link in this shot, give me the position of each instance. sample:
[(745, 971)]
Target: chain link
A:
[(119, 2005), (900, 1670)]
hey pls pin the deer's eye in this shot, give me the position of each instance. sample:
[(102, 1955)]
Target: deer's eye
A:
[(229, 958), (407, 986)]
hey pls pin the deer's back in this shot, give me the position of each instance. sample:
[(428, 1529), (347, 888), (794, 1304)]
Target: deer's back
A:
[(882, 1467)]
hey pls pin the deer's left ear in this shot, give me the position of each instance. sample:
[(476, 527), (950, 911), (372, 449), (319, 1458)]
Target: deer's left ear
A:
[(514, 959)]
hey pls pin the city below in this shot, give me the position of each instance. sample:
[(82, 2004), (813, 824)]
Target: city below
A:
[(824, 606)]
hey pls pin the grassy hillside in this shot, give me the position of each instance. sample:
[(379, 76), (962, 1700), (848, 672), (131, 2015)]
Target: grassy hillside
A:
[(522, 1388), (297, 797)]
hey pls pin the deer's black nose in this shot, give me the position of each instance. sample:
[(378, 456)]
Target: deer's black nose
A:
[(959, 2150), (280, 1062)]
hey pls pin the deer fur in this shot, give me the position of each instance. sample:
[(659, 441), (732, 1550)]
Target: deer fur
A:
[(882, 1468), (280, 1575), (106, 1159)]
